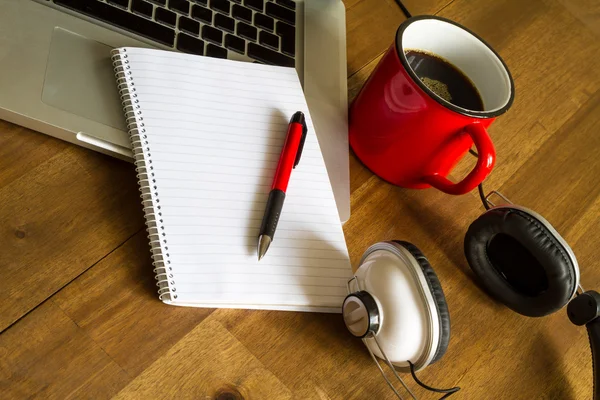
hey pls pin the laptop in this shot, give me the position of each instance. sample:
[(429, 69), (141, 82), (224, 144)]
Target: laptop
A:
[(56, 76)]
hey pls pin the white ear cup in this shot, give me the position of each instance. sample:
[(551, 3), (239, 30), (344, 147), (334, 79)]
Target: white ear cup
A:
[(361, 314), (409, 326)]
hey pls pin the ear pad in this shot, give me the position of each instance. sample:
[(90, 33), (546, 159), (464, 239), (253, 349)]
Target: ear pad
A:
[(438, 295), (521, 260)]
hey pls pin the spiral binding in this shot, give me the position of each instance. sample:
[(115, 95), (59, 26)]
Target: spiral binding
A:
[(145, 176)]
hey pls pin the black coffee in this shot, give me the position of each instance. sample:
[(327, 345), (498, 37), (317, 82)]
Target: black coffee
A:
[(445, 80)]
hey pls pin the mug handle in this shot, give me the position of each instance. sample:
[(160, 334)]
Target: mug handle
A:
[(485, 162)]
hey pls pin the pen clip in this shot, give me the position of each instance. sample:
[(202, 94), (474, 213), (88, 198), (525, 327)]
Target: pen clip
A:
[(302, 140)]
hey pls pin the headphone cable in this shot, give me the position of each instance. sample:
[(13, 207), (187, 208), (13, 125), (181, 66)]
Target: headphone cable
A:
[(480, 186), (448, 392), (403, 8), (482, 196)]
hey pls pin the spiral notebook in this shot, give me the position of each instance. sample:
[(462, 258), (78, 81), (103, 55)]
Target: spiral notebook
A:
[(206, 136)]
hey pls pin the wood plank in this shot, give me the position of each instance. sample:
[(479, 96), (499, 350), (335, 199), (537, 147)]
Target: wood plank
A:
[(380, 212), (312, 354), (207, 363), (111, 310), (110, 317), (539, 108), (359, 173), (587, 11), (59, 218), (116, 304), (539, 356), (371, 26), (420, 7), (357, 80), (370, 29), (46, 355), (22, 150), (541, 42), (568, 160)]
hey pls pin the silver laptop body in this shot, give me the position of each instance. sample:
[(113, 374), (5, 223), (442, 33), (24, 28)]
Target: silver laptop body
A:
[(56, 77)]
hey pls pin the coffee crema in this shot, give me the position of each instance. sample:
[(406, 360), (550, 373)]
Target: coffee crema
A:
[(444, 79)]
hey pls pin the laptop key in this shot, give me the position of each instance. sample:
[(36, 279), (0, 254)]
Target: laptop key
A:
[(268, 40), (282, 13), (264, 22), (242, 13), (287, 3), (258, 5), (190, 44), (181, 6), (202, 2), (268, 56), (159, 2), (122, 19), (202, 14), (235, 43), (212, 35), (220, 5), (165, 16), (189, 25), (225, 23), (120, 3), (141, 7), (246, 31), (215, 51), (288, 38)]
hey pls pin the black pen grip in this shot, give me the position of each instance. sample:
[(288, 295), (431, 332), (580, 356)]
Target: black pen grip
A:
[(272, 213)]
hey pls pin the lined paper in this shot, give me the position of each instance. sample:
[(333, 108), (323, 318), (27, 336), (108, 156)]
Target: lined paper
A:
[(215, 129)]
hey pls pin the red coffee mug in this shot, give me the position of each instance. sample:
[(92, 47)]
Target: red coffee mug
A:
[(411, 137)]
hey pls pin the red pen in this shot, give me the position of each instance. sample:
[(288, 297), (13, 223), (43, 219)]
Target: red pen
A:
[(289, 158)]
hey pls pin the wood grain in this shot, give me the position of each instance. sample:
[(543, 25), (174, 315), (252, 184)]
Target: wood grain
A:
[(46, 355), (553, 59), (370, 27), (59, 217), (21, 150), (116, 305), (587, 11), (208, 363), (549, 353), (78, 280)]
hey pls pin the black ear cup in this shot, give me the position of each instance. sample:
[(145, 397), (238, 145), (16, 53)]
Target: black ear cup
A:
[(438, 295), (521, 261)]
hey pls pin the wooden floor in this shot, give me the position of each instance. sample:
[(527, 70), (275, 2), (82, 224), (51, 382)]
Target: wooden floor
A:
[(79, 315)]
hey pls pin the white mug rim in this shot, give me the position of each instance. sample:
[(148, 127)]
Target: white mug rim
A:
[(464, 111)]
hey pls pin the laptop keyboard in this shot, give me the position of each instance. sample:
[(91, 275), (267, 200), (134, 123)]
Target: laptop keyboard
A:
[(263, 30)]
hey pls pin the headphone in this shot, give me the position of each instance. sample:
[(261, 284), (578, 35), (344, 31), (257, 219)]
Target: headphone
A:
[(396, 304)]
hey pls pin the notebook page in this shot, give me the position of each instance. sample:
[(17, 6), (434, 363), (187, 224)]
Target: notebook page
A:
[(215, 129)]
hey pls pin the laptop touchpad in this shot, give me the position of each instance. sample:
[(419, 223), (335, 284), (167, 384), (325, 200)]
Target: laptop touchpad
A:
[(80, 79)]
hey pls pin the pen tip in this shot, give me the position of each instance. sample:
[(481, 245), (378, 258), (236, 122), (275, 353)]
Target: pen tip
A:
[(264, 242)]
